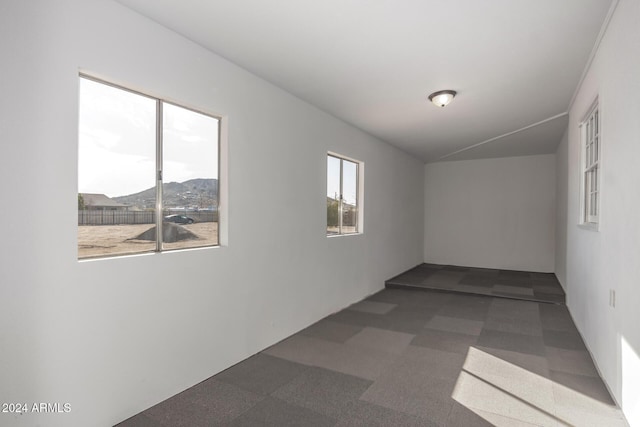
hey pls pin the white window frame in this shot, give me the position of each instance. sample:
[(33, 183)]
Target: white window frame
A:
[(591, 168), (222, 149), (359, 196)]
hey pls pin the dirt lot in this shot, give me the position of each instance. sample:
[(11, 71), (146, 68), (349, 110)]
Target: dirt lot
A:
[(101, 240)]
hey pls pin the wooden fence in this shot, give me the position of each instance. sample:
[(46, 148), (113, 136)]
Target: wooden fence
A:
[(118, 217)]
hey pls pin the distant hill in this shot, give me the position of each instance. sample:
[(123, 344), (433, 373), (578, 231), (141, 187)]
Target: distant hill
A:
[(199, 193)]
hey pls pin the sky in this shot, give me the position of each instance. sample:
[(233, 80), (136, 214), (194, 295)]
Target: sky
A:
[(117, 144)]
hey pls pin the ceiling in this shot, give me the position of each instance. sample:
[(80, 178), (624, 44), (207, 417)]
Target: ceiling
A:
[(373, 63)]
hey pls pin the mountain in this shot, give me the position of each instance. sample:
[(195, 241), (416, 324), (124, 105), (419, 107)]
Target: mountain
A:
[(201, 193)]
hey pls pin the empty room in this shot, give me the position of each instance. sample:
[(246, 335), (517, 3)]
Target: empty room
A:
[(337, 213)]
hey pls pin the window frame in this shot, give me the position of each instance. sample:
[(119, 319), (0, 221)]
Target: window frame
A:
[(591, 168), (359, 195), (159, 163)]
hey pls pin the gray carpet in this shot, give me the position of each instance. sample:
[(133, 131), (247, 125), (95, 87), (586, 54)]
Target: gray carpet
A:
[(409, 358), (523, 285)]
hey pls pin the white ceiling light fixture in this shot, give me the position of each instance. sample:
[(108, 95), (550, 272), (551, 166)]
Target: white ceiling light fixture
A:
[(442, 98)]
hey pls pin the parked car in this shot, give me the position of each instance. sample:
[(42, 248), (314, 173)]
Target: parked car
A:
[(179, 219)]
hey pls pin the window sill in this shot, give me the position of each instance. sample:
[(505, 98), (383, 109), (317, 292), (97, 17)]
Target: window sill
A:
[(331, 236), (146, 253), (590, 226)]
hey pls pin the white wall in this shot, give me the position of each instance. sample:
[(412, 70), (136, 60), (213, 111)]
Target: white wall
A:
[(610, 258), (562, 197), (113, 337), (493, 213)]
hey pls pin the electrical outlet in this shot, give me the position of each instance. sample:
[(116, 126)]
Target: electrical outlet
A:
[(612, 298)]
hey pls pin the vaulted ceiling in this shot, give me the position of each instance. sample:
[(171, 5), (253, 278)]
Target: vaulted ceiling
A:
[(373, 63)]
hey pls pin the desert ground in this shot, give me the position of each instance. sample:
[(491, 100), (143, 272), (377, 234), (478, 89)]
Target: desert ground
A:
[(109, 240)]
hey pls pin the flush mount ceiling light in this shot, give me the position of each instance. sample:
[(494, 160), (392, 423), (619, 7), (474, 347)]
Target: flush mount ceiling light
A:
[(442, 97)]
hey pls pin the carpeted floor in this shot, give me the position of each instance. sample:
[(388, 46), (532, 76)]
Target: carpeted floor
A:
[(540, 287), (407, 357)]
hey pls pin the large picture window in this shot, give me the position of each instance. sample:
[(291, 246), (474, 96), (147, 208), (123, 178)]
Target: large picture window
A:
[(590, 194), (342, 196), (147, 173)]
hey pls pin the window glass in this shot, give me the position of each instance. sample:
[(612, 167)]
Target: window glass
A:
[(349, 197), (333, 195), (190, 169), (342, 196), (116, 158), (590, 194), (123, 164)]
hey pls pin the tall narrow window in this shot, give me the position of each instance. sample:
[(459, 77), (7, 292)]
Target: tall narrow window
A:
[(342, 196), (147, 173), (590, 194)]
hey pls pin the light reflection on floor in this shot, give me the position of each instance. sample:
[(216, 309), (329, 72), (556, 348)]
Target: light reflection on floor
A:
[(506, 394)]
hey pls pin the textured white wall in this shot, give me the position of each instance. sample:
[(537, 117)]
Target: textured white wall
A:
[(610, 258), (493, 213), (113, 337)]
